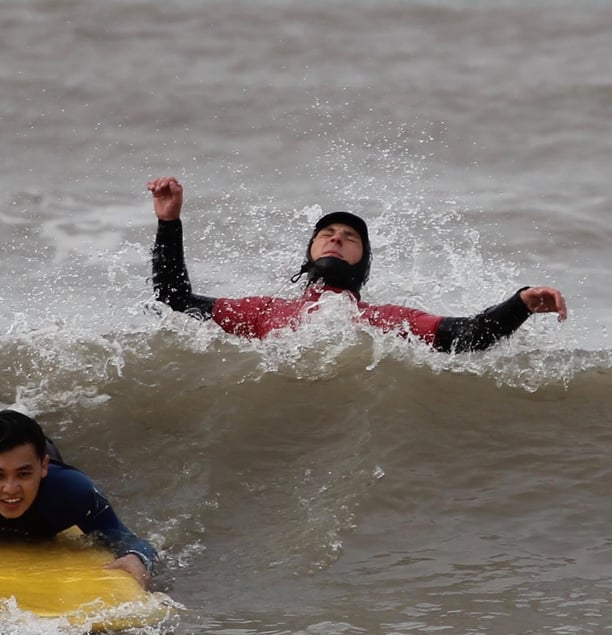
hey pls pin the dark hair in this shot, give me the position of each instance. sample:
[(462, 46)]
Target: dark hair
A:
[(18, 429)]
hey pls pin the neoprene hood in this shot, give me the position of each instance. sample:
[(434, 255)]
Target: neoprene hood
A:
[(334, 271)]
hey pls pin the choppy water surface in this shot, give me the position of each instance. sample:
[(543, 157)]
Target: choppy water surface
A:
[(334, 480)]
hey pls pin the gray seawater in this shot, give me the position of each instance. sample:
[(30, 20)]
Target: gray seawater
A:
[(334, 480)]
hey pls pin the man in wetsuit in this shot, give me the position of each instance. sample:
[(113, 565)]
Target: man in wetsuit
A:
[(41, 496), (337, 261)]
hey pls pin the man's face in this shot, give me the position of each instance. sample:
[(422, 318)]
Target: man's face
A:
[(337, 241), (21, 471)]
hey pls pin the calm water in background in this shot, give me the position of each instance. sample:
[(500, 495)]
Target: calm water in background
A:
[(334, 480)]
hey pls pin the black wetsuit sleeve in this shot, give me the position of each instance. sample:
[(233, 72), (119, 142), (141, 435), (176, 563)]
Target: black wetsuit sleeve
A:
[(480, 331), (170, 278)]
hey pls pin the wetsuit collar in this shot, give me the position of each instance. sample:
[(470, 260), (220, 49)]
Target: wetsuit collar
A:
[(314, 291)]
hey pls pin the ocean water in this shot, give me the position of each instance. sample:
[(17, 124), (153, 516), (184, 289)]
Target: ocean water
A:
[(334, 480)]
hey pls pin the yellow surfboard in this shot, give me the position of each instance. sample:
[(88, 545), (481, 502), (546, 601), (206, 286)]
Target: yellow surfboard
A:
[(65, 579)]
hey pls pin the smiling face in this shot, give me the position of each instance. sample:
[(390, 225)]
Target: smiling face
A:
[(337, 241), (21, 471)]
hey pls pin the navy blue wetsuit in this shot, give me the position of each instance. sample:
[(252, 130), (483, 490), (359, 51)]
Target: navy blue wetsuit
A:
[(66, 498)]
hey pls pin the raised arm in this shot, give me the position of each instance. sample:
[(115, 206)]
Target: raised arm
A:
[(170, 278), (480, 331)]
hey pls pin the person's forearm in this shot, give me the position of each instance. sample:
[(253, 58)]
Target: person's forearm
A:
[(97, 518), (170, 277), (107, 527), (483, 330)]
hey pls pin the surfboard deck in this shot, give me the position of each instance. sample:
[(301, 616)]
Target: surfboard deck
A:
[(65, 578)]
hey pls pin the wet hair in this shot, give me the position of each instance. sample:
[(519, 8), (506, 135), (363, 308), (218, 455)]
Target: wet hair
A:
[(17, 429), (334, 271)]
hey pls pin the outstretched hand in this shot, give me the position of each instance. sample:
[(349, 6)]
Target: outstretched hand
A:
[(167, 197), (134, 566), (544, 300)]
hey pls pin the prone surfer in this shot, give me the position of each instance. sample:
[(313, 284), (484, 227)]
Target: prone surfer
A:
[(41, 496), (337, 260)]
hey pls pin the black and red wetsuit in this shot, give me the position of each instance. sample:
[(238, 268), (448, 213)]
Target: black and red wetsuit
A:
[(257, 316)]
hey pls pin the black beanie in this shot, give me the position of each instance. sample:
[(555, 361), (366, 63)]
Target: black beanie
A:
[(345, 218)]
